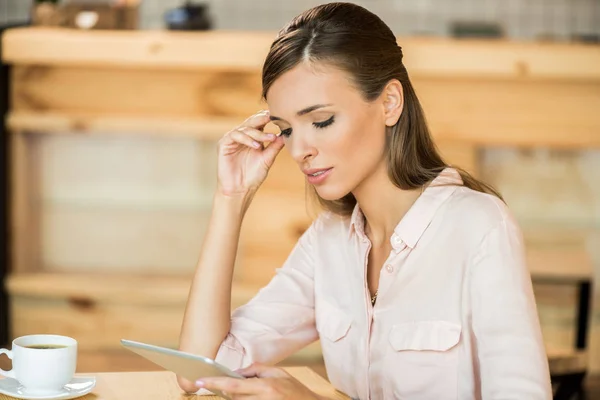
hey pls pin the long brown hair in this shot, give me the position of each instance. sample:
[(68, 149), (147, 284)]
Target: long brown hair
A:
[(358, 42)]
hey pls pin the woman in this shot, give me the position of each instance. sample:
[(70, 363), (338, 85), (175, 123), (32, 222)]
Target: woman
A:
[(413, 278)]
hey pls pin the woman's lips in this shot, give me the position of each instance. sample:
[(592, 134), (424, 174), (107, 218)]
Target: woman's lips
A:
[(317, 176)]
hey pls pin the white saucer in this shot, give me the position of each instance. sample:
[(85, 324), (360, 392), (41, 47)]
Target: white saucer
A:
[(79, 386)]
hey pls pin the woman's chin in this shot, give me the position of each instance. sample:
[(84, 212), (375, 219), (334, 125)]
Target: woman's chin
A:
[(330, 193)]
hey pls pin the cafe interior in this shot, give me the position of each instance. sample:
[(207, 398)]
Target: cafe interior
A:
[(111, 111)]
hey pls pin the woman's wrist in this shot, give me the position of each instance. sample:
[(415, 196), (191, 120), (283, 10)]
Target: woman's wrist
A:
[(236, 203)]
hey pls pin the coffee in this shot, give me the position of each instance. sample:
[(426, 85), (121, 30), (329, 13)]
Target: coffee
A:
[(45, 346)]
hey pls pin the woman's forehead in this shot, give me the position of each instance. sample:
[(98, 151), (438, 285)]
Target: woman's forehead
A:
[(304, 86)]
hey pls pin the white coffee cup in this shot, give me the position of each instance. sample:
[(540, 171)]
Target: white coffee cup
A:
[(42, 370)]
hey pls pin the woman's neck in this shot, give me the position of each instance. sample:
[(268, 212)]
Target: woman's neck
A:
[(383, 205)]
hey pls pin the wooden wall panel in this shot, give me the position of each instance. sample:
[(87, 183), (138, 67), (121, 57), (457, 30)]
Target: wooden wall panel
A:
[(276, 219), (25, 203), (513, 113), (135, 92)]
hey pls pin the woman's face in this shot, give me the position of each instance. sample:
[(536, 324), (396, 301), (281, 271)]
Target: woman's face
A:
[(336, 137)]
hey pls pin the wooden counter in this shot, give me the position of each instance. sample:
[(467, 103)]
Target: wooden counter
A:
[(174, 85)]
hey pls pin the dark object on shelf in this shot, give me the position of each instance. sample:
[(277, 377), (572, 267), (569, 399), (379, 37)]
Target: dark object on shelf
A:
[(476, 29), (46, 13), (189, 17), (593, 38)]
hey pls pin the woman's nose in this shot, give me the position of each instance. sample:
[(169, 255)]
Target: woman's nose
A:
[(300, 149)]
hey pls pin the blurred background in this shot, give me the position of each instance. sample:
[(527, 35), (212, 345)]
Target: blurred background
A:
[(111, 111), (519, 19)]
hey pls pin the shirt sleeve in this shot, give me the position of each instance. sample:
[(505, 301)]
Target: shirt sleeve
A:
[(280, 319), (510, 348)]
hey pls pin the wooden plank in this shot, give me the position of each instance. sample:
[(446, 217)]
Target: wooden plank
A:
[(513, 114), (90, 236), (99, 310), (118, 125), (274, 222), (559, 265), (272, 226), (460, 154), (566, 361), (134, 49), (96, 326), (90, 289), (121, 204), (131, 93), (557, 255), (481, 113), (25, 215), (501, 59), (284, 176)]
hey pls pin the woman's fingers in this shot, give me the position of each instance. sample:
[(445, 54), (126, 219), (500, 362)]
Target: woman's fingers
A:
[(233, 386), (258, 120), (240, 137), (257, 135), (251, 137), (262, 371), (273, 149)]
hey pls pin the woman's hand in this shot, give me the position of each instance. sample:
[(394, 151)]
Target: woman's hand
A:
[(243, 160), (266, 383)]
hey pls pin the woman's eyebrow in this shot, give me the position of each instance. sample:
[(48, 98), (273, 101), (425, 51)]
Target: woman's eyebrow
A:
[(303, 111)]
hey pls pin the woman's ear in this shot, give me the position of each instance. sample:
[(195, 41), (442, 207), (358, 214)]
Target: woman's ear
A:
[(393, 102)]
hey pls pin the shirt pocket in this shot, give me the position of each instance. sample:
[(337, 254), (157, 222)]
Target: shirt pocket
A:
[(333, 323), (335, 329), (423, 361)]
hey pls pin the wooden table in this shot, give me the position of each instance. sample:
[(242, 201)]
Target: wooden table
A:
[(162, 385)]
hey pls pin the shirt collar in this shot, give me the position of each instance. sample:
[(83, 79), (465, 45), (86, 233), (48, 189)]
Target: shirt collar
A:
[(414, 223)]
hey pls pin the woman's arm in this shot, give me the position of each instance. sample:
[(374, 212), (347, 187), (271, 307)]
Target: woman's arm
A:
[(510, 348), (245, 155), (278, 321), (207, 315)]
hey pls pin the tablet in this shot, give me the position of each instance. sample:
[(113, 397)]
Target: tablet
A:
[(189, 366)]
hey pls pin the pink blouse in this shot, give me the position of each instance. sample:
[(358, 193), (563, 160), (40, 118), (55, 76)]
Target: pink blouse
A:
[(455, 316)]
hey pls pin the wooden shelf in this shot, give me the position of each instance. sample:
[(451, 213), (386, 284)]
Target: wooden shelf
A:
[(126, 289), (566, 361), (559, 264), (245, 51), (557, 255), (68, 123)]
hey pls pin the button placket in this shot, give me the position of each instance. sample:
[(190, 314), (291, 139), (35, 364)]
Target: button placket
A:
[(390, 267)]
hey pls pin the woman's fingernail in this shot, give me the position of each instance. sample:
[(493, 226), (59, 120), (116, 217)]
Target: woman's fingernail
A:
[(256, 145), (271, 136), (200, 383)]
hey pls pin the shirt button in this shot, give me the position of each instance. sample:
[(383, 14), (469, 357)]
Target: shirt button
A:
[(396, 239), (389, 268)]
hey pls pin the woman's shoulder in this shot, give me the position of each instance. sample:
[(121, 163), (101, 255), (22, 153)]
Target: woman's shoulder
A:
[(330, 225), (478, 211)]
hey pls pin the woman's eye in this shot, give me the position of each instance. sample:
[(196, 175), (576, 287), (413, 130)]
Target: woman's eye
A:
[(324, 124), (286, 132)]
